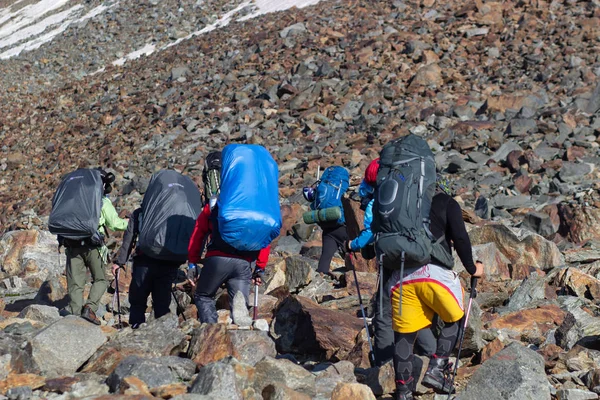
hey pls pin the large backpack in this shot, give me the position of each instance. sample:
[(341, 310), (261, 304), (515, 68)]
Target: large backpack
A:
[(249, 215), (211, 175), (402, 203), (330, 189), (76, 207), (170, 207)]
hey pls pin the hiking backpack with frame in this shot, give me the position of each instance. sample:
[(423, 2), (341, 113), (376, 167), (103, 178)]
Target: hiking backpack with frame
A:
[(405, 188), (326, 205), (170, 208), (76, 208), (249, 214)]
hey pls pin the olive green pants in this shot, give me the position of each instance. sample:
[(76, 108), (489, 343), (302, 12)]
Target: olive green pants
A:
[(79, 259)]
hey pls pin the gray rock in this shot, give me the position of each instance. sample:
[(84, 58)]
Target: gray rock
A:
[(578, 325), (504, 150), (575, 394), (159, 337), (239, 311), (88, 388), (261, 325), (594, 102), (530, 290), (63, 347), (381, 380), (288, 244), (510, 202), (179, 72), (220, 380), (153, 372), (36, 312), (272, 371), (317, 288), (252, 346), (19, 393), (540, 223), (458, 164), (515, 373), (293, 30), (482, 208), (329, 375), (351, 109), (521, 127), (298, 271), (473, 341), (574, 172)]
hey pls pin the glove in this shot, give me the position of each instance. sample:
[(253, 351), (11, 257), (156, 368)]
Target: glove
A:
[(192, 272), (258, 273)]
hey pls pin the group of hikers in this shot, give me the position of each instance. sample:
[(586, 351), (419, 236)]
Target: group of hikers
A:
[(411, 224)]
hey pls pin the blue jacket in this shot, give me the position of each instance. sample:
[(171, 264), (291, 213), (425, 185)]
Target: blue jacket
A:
[(366, 236)]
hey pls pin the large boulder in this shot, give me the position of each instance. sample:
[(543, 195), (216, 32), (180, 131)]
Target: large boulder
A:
[(160, 337), (496, 265), (41, 313), (302, 326), (225, 379), (328, 376), (579, 223), (64, 346), (32, 254), (251, 346), (352, 391), (578, 326), (532, 324), (515, 373), (524, 249), (580, 283), (272, 371), (154, 372), (220, 344), (532, 289)]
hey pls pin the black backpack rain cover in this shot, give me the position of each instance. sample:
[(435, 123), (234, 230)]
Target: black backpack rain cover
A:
[(170, 207), (76, 205)]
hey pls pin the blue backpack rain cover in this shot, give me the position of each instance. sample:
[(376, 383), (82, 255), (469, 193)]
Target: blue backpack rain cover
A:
[(249, 215), (331, 188)]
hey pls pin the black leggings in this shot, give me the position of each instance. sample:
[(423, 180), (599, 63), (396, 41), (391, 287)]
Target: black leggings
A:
[(408, 367), (333, 239)]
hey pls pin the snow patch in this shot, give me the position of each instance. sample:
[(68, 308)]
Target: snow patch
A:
[(144, 51), (269, 6)]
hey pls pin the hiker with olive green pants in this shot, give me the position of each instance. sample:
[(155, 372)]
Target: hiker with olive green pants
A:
[(84, 254)]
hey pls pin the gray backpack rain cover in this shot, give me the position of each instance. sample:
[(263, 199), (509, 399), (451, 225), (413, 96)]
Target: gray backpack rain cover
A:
[(76, 205), (170, 207)]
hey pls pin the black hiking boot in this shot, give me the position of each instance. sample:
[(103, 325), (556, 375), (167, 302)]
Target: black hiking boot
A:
[(403, 390), (89, 315), (439, 375)]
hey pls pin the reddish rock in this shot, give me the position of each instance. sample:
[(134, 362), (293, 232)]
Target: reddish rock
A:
[(580, 283), (490, 349), (170, 391), (575, 152), (531, 323), (20, 380), (302, 325), (513, 160), (367, 282), (523, 183), (579, 223), (220, 344), (354, 224)]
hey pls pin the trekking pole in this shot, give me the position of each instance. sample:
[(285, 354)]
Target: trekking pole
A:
[(255, 311), (362, 310), (118, 298), (180, 310), (462, 336)]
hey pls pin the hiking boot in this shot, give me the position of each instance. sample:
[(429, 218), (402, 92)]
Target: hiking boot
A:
[(439, 375), (89, 315), (403, 390)]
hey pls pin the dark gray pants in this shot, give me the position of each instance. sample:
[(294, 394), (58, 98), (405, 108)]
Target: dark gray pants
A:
[(333, 239), (384, 346), (150, 278), (234, 272)]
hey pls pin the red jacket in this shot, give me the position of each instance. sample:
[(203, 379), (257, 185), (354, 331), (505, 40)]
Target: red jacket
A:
[(202, 229)]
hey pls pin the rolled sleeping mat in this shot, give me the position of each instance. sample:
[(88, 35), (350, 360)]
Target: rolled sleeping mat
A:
[(325, 215)]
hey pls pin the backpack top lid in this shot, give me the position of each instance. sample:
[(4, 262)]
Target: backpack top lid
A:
[(170, 208), (249, 214), (212, 161), (77, 204)]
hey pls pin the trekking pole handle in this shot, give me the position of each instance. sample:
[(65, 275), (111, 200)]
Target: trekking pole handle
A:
[(473, 287)]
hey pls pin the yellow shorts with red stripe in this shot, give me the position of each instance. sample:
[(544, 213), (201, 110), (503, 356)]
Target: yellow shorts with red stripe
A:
[(426, 291)]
